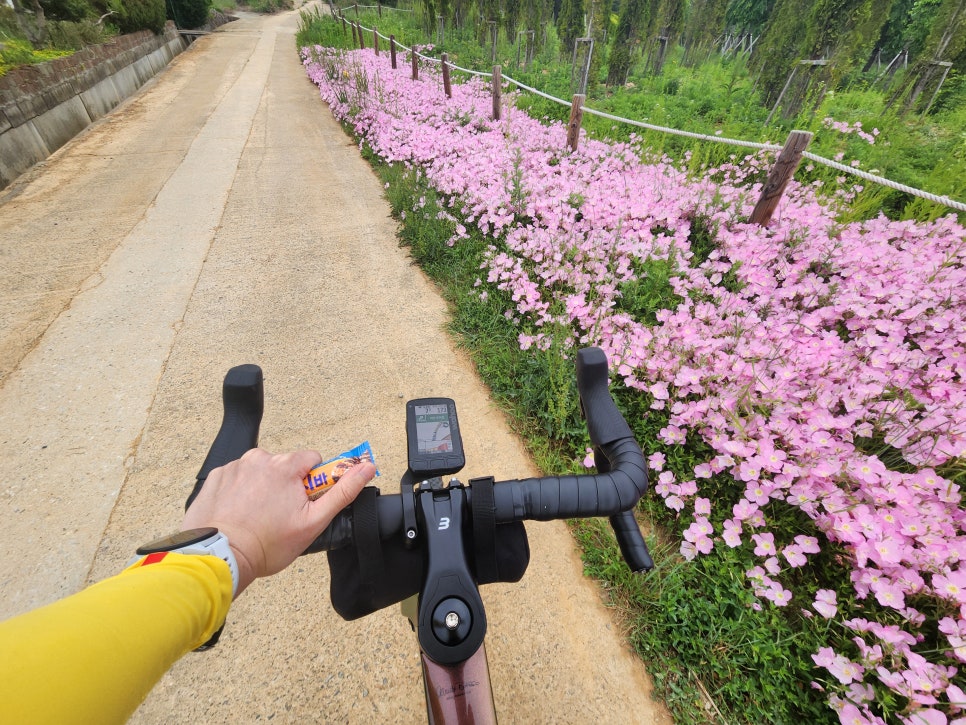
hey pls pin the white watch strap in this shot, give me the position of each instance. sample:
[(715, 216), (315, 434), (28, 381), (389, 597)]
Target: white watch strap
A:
[(216, 545)]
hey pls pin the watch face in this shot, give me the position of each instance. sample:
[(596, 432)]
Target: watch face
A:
[(177, 541)]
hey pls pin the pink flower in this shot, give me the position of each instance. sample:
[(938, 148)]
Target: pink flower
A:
[(659, 391), (889, 595), (764, 544), (956, 697), (849, 714), (674, 502), (838, 331), (952, 586), (807, 544), (926, 716), (744, 509), (701, 528), (794, 556), (844, 670), (732, 532), (778, 595), (825, 603)]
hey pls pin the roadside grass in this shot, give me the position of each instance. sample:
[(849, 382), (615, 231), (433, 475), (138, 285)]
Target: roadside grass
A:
[(17, 52)]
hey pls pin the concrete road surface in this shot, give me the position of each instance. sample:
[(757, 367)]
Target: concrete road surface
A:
[(220, 217)]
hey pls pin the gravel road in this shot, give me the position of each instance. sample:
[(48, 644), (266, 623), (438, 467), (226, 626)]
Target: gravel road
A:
[(221, 216)]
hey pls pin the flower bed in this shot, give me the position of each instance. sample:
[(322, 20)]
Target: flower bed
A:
[(822, 363)]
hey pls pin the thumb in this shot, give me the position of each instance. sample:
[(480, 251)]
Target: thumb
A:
[(342, 493)]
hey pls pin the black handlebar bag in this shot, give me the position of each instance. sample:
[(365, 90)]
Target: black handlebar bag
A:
[(374, 573)]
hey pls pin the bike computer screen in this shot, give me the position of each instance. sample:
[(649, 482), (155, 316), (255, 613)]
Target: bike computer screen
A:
[(433, 436)]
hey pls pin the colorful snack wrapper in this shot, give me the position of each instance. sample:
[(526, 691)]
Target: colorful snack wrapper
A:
[(324, 476)]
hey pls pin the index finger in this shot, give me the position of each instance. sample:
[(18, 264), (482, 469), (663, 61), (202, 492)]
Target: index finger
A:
[(299, 463)]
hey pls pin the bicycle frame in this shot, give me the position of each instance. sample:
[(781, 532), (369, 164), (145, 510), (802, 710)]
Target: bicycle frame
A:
[(459, 693)]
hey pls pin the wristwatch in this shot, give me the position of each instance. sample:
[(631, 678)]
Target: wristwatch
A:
[(206, 541)]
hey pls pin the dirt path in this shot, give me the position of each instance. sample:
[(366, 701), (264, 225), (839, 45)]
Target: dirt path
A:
[(222, 217)]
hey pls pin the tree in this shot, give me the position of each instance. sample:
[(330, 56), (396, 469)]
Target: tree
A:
[(633, 17), (665, 25), (535, 15), (598, 28), (838, 32), (748, 16), (945, 42), (511, 17), (777, 50), (705, 22), (570, 24)]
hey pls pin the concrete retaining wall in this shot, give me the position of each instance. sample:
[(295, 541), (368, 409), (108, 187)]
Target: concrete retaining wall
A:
[(43, 106)]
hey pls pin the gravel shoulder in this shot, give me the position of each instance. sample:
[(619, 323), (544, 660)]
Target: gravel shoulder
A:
[(221, 216)]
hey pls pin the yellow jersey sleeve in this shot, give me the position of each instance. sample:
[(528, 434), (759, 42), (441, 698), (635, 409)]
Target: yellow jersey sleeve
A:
[(94, 656)]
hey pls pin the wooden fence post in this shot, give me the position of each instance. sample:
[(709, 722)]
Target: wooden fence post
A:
[(576, 118), (780, 175), (375, 40), (362, 40), (446, 84), (415, 64), (354, 39), (380, 8), (357, 10), (343, 25), (497, 90), (392, 51)]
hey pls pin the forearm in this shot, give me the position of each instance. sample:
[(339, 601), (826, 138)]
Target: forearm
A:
[(94, 656)]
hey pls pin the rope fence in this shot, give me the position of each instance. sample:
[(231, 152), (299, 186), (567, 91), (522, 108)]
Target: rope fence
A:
[(790, 154)]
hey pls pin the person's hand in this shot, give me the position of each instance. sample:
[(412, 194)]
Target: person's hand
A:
[(259, 503)]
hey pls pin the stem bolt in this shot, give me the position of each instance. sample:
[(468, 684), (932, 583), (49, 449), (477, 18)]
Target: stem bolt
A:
[(452, 620)]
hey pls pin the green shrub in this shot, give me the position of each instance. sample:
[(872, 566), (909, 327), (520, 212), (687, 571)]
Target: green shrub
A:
[(9, 27), (70, 35), (270, 6), (188, 13), (135, 15), (71, 10)]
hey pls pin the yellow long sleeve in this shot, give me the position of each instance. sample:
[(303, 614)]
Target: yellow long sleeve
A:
[(94, 656)]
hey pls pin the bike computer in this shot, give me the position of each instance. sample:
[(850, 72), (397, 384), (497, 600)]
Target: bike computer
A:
[(433, 437)]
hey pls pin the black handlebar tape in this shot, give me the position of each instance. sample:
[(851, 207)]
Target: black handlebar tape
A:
[(243, 396), (338, 534), (631, 542), (604, 421), (563, 497), (626, 531), (539, 499)]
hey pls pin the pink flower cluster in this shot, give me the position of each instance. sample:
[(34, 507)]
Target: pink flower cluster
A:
[(823, 363), (856, 128)]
